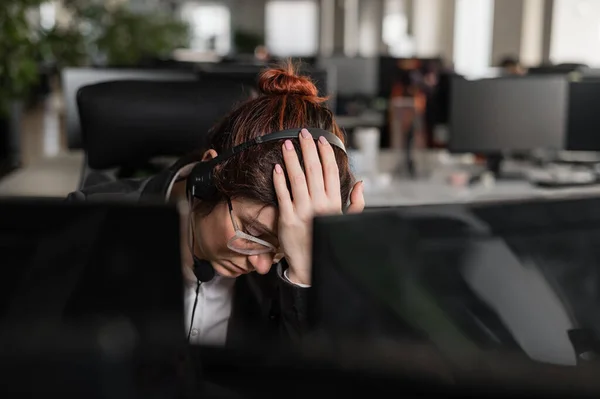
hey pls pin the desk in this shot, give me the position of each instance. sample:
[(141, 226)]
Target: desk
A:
[(406, 192), (368, 119)]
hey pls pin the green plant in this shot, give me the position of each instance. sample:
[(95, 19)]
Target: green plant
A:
[(124, 37), (129, 37), (18, 52), (64, 46)]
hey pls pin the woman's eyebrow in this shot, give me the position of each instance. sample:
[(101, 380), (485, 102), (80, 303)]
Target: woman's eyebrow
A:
[(254, 222)]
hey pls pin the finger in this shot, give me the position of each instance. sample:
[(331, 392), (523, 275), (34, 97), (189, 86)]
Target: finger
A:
[(297, 177), (331, 173), (312, 167), (286, 208), (357, 198)]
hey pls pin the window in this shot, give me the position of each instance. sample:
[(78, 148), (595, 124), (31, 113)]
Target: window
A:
[(210, 25), (576, 32), (473, 36), (395, 29), (292, 28), (47, 15)]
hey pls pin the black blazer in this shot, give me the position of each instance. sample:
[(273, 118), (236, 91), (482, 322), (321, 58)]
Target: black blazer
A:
[(266, 308)]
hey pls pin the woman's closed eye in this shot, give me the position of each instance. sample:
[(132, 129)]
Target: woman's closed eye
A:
[(258, 232), (254, 232)]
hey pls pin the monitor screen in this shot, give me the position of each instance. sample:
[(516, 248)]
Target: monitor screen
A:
[(509, 277), (584, 119), (353, 76), (504, 114), (101, 279)]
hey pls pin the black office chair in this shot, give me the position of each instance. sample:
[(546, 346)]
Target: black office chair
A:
[(75, 78), (127, 124)]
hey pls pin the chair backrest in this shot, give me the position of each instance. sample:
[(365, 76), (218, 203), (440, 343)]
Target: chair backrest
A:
[(127, 123), (75, 78)]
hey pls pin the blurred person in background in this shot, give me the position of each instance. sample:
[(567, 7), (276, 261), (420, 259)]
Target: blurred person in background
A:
[(409, 89), (512, 67), (261, 54), (255, 234)]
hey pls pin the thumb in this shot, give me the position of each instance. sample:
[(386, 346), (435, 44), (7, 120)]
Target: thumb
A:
[(357, 198)]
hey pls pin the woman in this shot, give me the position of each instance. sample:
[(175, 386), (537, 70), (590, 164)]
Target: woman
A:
[(263, 193)]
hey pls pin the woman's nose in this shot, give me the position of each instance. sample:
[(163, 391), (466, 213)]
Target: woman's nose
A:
[(261, 263)]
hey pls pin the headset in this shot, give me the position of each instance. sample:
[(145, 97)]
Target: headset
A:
[(200, 180), (199, 185)]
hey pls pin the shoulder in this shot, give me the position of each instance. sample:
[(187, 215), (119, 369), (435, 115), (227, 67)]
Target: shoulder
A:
[(119, 190)]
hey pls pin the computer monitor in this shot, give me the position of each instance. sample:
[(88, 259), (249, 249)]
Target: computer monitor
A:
[(441, 99), (583, 118), (247, 74), (354, 76), (561, 69), (75, 78), (107, 275), (515, 278), (508, 114)]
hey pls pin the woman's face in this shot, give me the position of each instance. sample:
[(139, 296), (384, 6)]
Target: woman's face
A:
[(213, 231)]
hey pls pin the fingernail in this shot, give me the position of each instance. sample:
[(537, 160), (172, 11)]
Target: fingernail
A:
[(305, 134), (322, 140), (289, 145), (278, 169)]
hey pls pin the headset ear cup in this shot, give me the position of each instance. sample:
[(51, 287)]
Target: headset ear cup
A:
[(207, 189), (200, 181)]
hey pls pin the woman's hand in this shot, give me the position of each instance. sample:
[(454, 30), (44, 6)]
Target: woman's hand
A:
[(316, 192)]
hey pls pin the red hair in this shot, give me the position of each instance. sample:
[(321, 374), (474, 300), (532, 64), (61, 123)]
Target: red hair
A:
[(286, 100)]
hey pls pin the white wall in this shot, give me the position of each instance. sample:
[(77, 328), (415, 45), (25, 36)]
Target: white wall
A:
[(473, 36), (433, 28), (576, 32), (292, 28), (427, 27)]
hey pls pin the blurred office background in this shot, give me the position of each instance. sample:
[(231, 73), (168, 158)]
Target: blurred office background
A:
[(386, 64)]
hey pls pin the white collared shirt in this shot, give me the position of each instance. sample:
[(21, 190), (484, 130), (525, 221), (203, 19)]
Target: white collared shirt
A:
[(213, 310)]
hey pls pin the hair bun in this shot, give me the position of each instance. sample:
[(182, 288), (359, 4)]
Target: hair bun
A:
[(286, 81)]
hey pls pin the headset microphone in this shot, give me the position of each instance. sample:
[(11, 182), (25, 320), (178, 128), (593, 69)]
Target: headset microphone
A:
[(203, 270)]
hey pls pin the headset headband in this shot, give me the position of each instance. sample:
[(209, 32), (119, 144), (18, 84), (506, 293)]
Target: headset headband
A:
[(281, 135), (200, 178)]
